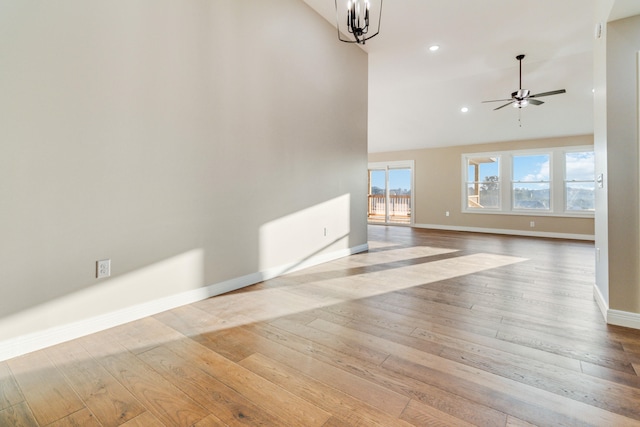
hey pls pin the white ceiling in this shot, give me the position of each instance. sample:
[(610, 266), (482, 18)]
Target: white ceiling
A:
[(415, 96)]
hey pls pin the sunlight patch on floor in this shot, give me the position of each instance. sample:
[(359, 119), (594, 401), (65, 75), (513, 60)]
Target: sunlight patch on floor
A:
[(308, 290)]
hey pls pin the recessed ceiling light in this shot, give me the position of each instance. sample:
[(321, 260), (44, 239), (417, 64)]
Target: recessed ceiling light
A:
[(434, 47), (464, 109)]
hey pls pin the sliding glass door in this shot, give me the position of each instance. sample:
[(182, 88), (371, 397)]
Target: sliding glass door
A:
[(390, 193)]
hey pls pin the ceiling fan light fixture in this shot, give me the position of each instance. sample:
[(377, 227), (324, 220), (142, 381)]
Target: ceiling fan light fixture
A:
[(521, 103), (522, 97)]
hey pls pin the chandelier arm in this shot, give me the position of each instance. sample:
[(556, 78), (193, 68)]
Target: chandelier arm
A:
[(363, 37)]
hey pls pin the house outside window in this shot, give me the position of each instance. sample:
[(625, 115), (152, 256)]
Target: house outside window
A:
[(483, 182), (556, 181)]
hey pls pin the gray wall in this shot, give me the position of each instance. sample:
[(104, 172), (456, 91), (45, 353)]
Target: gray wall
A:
[(191, 142)]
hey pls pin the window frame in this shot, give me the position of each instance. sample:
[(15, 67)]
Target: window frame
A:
[(548, 181), (557, 180), (565, 181), (386, 167), (468, 182)]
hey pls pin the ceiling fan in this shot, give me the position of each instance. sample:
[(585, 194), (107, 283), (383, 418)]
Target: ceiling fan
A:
[(521, 98)]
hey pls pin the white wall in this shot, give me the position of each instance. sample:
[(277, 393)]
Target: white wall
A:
[(192, 143)]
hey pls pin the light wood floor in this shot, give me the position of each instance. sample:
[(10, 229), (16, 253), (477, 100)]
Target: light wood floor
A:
[(427, 328)]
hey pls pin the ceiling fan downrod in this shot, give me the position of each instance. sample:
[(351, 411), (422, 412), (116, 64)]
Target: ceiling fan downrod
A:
[(520, 58)]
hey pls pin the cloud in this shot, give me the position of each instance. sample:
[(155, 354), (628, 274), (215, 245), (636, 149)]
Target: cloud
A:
[(541, 175), (580, 166)]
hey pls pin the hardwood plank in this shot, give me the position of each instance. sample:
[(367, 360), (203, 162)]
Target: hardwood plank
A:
[(488, 296), (336, 422), (628, 379), (433, 311), (345, 406), (261, 392), (419, 414), (44, 388), (523, 401), (10, 393), (437, 337), (515, 422), (441, 371), (167, 403), (143, 420), (599, 354), (82, 418), (346, 345), (602, 394), (229, 406), (388, 341), (477, 343), (211, 421), (295, 351), (18, 415), (568, 332), (205, 328), (144, 334), (109, 401)]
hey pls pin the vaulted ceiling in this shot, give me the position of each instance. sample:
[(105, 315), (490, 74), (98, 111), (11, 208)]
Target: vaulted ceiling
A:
[(416, 96)]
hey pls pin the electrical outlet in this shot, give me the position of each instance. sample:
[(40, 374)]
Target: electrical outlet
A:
[(446, 213), (532, 224), (103, 268)]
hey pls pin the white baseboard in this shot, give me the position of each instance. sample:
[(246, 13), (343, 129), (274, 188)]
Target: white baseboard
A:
[(24, 344), (602, 303), (526, 233), (623, 318), (615, 317)]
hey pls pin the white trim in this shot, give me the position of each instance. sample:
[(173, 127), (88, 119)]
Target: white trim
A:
[(570, 236), (522, 212), (397, 164), (623, 318), (18, 346), (602, 304), (556, 180)]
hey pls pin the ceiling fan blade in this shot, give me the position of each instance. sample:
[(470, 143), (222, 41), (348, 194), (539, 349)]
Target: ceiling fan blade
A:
[(498, 100), (502, 106), (553, 92), (535, 101)]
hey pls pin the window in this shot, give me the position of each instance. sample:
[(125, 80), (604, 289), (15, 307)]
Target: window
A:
[(483, 183), (555, 181), (531, 187), (579, 182)]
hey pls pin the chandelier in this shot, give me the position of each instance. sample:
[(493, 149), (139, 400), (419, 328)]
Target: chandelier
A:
[(358, 13)]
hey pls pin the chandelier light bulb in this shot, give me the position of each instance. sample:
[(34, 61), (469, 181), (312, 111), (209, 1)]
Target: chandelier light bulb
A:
[(360, 26)]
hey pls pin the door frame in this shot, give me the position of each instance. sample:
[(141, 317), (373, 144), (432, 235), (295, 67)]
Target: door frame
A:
[(386, 166)]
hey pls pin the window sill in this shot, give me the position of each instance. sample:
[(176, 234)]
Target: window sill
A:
[(532, 213)]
